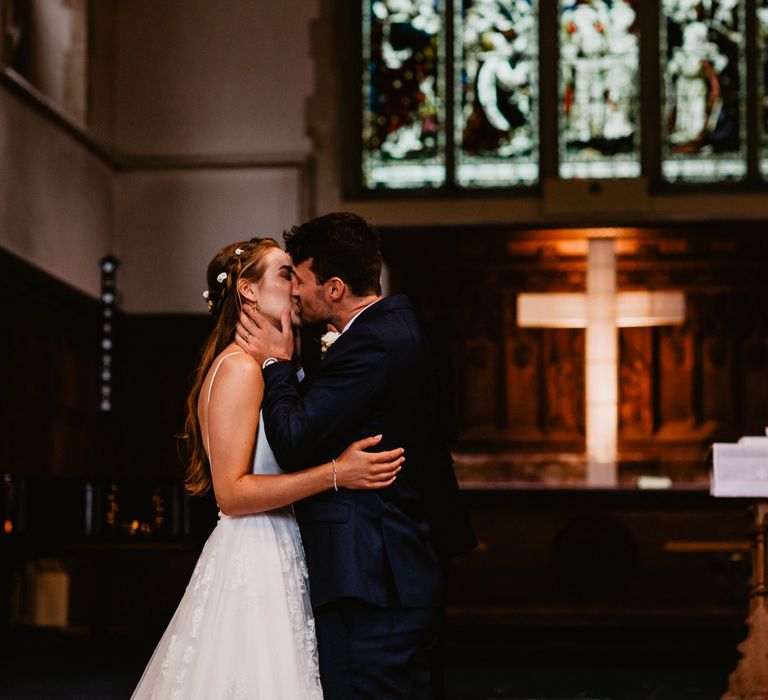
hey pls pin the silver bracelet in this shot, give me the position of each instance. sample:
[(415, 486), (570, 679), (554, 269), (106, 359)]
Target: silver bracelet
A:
[(335, 485)]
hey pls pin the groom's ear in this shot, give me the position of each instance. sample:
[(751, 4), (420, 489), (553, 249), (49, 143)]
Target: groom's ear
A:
[(336, 288)]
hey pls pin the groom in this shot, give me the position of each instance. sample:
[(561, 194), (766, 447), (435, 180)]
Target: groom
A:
[(375, 579)]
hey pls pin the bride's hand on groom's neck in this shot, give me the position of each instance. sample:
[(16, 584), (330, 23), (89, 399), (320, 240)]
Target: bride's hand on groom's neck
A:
[(256, 335)]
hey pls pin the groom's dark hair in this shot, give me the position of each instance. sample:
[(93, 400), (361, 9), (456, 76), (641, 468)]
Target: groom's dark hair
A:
[(340, 245)]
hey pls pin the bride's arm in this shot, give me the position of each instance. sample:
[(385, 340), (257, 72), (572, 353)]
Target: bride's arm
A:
[(233, 420)]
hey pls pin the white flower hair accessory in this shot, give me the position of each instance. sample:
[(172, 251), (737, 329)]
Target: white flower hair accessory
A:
[(328, 339), (239, 251), (221, 277), (206, 294)]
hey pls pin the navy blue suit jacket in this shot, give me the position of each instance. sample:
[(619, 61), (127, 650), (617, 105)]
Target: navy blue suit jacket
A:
[(372, 545)]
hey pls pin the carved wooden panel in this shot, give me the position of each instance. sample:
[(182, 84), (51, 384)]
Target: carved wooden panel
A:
[(636, 414), (754, 387), (50, 397), (481, 373), (717, 379), (563, 365), (522, 361), (675, 377), (719, 339)]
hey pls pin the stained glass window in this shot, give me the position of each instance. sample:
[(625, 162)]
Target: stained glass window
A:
[(702, 47), (496, 93), (599, 89), (452, 97), (762, 32), (404, 93)]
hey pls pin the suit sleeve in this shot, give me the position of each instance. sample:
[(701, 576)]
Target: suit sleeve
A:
[(303, 429)]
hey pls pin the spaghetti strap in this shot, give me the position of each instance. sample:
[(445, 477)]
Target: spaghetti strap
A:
[(208, 403)]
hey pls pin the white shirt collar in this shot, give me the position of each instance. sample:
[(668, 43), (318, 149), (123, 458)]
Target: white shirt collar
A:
[(352, 320)]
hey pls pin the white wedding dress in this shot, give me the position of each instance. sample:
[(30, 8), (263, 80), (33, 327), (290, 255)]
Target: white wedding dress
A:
[(244, 628)]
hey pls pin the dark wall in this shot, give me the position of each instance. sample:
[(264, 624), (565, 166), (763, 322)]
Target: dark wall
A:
[(587, 557), (50, 358), (51, 393), (156, 357)]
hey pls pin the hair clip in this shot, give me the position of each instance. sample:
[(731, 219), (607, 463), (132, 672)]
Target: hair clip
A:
[(206, 294), (239, 251), (222, 276)]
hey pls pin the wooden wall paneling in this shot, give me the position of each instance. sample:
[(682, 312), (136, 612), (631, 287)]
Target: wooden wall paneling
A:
[(50, 398), (483, 377), (632, 558), (675, 379), (754, 391), (718, 393), (563, 390), (636, 418), (155, 357), (480, 383), (523, 405), (751, 308)]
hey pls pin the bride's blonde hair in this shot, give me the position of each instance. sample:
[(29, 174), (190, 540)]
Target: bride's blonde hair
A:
[(239, 261)]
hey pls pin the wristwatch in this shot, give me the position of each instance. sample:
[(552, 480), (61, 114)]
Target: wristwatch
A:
[(269, 361)]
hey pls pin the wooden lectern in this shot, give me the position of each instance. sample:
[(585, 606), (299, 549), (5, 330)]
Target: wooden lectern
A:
[(741, 470)]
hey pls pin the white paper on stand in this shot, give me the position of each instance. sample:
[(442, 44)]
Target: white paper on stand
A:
[(741, 469), (754, 441)]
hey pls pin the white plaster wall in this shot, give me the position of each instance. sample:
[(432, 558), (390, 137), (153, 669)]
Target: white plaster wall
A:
[(57, 53), (224, 83), (172, 223), (55, 197), (202, 77), (221, 82)]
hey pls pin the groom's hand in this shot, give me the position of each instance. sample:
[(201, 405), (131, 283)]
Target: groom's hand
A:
[(256, 335)]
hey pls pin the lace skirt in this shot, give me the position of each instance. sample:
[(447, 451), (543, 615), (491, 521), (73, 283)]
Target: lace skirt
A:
[(244, 628)]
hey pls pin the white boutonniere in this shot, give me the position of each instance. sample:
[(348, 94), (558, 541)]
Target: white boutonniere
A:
[(328, 339)]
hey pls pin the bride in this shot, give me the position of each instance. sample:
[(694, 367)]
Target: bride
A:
[(244, 627)]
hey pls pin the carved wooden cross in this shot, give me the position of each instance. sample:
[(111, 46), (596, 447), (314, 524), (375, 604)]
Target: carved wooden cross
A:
[(601, 311)]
